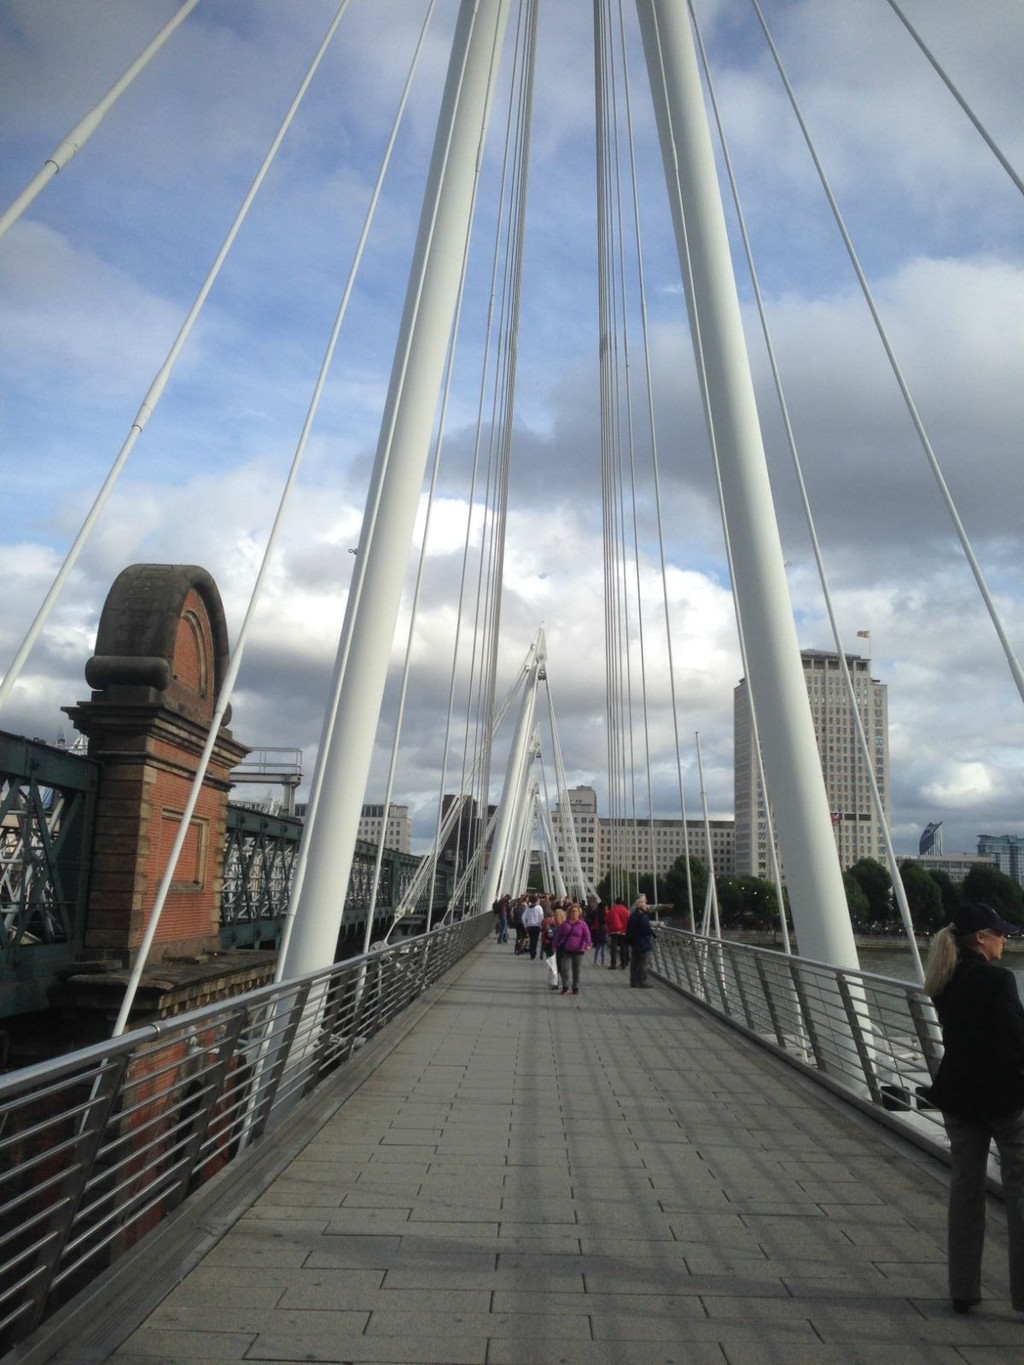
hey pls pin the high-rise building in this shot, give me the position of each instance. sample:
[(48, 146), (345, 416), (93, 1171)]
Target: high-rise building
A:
[(641, 845), (1006, 851), (460, 844), (394, 832), (855, 825), (930, 844)]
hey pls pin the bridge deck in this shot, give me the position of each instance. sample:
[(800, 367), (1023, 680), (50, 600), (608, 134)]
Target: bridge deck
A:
[(527, 1179)]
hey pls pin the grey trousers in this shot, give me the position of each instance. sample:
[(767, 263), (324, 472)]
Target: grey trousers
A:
[(969, 1144)]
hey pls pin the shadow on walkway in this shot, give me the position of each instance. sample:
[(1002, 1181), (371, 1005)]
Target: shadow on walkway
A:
[(531, 1179)]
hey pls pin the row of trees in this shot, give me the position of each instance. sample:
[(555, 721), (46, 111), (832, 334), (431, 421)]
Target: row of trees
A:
[(743, 902), (751, 902), (931, 896)]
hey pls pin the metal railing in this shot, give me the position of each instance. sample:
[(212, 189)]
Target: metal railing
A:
[(98, 1146), (875, 1039)]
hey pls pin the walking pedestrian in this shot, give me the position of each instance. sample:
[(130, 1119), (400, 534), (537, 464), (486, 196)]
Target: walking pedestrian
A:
[(572, 941), (533, 918), (980, 1090), (548, 931)]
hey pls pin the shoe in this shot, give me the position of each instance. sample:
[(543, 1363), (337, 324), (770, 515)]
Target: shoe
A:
[(965, 1305), (575, 990), (565, 990)]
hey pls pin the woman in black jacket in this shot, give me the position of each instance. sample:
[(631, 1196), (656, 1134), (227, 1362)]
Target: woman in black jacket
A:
[(980, 1089)]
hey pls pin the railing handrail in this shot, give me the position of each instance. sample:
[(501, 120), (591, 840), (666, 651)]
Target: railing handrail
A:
[(82, 1058), (97, 1144), (874, 1038)]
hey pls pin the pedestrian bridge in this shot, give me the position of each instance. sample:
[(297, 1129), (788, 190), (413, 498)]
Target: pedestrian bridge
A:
[(506, 1175)]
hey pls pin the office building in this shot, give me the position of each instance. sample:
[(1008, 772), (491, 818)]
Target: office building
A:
[(394, 832), (856, 828), (955, 865), (641, 845), (1006, 851)]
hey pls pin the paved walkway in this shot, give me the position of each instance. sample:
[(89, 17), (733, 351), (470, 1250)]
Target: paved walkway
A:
[(531, 1179)]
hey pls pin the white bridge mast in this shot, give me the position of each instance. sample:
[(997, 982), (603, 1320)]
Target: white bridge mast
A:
[(408, 422), (791, 760)]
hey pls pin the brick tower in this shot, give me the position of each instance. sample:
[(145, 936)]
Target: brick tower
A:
[(161, 653)]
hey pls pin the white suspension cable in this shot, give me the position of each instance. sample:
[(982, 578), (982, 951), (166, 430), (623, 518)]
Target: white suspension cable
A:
[(711, 919), (567, 823), (156, 389), (231, 674), (926, 445), (425, 870), (649, 389), (989, 141), (88, 123)]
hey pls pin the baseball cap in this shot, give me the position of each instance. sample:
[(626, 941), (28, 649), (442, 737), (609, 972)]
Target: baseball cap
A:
[(977, 915)]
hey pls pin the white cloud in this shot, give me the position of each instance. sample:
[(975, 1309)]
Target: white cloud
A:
[(95, 281)]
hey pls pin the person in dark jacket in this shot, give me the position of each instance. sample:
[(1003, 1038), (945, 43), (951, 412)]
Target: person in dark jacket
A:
[(640, 939), (980, 1089)]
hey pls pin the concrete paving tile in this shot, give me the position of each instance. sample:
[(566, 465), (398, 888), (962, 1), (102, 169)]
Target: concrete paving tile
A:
[(530, 1208), (849, 1353), (683, 1326), (148, 1342), (537, 1323), (848, 1318), (993, 1325), (536, 1239), (303, 1194), (602, 1353), (206, 1294), (246, 1249), (303, 1346), (484, 1197), (232, 1318), (345, 1221), (132, 1358), (431, 1277), (413, 1158), (353, 1294), (460, 1161), (300, 1215)]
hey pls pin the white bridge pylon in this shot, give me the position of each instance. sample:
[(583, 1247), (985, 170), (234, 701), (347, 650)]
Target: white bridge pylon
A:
[(813, 875)]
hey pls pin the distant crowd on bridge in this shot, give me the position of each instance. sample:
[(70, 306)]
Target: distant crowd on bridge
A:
[(560, 932)]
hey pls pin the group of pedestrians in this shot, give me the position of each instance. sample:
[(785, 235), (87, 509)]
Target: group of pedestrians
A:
[(561, 932)]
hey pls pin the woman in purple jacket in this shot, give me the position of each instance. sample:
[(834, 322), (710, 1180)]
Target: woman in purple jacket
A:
[(572, 940)]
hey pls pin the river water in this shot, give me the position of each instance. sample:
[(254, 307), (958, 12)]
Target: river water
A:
[(897, 963)]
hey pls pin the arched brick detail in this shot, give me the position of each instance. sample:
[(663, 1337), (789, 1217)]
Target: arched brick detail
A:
[(161, 655)]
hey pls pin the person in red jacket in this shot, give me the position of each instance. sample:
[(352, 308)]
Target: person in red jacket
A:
[(616, 918)]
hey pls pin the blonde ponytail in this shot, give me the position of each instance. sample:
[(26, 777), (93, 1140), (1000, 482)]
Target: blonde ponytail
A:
[(942, 959)]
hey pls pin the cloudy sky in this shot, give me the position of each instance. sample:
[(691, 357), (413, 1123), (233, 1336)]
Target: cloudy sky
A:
[(96, 278)]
